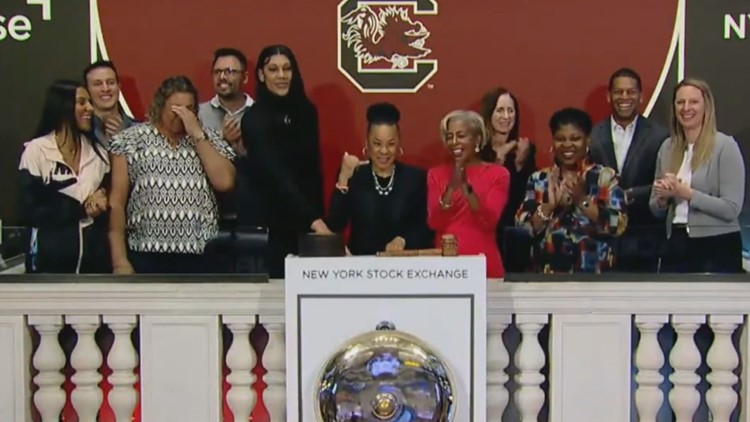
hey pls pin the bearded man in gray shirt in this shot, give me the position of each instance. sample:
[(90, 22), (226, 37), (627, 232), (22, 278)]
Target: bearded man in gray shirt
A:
[(224, 111)]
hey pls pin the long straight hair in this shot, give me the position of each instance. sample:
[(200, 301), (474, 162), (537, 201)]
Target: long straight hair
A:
[(704, 145), (59, 113)]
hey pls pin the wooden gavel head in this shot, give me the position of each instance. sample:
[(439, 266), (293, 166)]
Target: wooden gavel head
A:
[(449, 245)]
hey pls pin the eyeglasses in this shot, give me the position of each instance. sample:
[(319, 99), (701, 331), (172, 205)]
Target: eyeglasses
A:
[(229, 71)]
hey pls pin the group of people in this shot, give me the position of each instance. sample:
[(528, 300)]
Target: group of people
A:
[(101, 192)]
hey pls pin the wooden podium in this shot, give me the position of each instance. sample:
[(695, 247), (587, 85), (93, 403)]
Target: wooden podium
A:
[(441, 300)]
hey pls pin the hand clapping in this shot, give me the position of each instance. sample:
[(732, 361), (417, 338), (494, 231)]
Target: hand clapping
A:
[(671, 187), (458, 178), (575, 188), (231, 130)]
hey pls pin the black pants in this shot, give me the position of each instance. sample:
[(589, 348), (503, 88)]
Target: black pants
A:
[(638, 249), (170, 263), (711, 254)]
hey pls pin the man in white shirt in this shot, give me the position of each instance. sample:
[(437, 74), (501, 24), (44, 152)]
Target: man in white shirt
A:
[(224, 111), (629, 143)]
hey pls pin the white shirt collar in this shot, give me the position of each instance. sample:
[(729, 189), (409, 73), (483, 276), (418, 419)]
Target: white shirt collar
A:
[(629, 127), (217, 104)]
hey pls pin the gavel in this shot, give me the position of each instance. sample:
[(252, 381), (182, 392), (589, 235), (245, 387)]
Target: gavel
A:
[(448, 247)]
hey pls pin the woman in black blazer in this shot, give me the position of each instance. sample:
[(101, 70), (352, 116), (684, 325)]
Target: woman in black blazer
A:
[(384, 200)]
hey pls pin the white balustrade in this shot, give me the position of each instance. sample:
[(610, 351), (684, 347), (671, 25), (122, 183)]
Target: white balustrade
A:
[(86, 359), (241, 360), (723, 360), (122, 360), (274, 360), (49, 360), (498, 360), (180, 375), (530, 360), (685, 359), (649, 359)]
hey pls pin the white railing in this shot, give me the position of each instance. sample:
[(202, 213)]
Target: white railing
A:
[(584, 333)]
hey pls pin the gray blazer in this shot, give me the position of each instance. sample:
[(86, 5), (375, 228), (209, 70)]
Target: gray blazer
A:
[(718, 190)]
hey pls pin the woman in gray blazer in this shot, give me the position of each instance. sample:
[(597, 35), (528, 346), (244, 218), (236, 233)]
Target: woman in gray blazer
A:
[(699, 187)]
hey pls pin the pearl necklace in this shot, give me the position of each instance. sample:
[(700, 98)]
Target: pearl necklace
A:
[(384, 190)]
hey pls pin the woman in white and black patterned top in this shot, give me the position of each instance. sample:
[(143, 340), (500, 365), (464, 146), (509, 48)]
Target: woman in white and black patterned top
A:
[(164, 174)]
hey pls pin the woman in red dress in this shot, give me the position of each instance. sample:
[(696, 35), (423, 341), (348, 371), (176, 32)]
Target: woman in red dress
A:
[(466, 198)]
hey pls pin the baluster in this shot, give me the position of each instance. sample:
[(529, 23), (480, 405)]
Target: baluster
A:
[(86, 359), (529, 360), (649, 359), (49, 360), (274, 360), (241, 361), (685, 359), (723, 359), (122, 359), (497, 362)]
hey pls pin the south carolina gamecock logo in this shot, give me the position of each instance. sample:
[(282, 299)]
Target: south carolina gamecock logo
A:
[(383, 47)]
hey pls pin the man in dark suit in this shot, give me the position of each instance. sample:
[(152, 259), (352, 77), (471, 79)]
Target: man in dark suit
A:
[(629, 143)]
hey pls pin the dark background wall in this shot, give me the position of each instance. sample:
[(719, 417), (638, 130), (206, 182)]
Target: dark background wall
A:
[(551, 54), (57, 48)]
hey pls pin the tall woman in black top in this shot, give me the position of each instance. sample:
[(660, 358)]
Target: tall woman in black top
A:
[(280, 132), (384, 200)]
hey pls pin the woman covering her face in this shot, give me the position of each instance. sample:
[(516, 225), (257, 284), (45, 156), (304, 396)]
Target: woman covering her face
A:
[(573, 209), (699, 188), (281, 136), (465, 198), (64, 176), (165, 175), (506, 147), (384, 200)]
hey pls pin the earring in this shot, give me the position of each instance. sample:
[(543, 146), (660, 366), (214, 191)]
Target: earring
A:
[(476, 148)]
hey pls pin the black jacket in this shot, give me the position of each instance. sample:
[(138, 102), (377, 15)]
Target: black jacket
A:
[(376, 219), (62, 238), (283, 173), (640, 165)]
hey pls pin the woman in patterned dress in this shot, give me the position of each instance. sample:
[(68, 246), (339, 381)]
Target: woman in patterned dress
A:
[(164, 174)]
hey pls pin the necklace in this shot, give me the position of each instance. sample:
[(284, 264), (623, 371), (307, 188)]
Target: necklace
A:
[(384, 190), (69, 155)]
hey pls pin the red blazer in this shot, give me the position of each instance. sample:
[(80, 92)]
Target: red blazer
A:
[(474, 230)]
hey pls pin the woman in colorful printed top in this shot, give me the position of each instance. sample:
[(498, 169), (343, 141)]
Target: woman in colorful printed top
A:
[(164, 175), (573, 209)]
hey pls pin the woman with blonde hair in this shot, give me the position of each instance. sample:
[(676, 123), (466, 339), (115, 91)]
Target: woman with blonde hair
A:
[(465, 198), (699, 187)]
